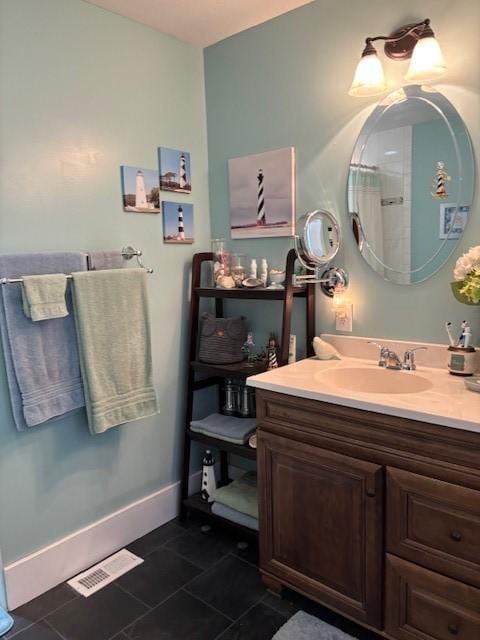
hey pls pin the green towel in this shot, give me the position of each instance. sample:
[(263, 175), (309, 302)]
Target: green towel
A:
[(113, 333), (43, 297), (240, 495)]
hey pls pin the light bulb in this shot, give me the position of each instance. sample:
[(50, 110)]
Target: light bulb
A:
[(427, 61), (369, 79)]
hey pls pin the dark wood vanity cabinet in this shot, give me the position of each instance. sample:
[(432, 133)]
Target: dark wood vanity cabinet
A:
[(324, 520), (375, 516)]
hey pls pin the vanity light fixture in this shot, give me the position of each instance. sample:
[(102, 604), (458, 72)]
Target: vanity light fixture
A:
[(412, 41)]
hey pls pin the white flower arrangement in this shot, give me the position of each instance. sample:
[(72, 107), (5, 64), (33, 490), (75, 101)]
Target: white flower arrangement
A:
[(467, 271)]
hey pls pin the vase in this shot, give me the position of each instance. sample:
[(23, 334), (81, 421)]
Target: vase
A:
[(456, 286)]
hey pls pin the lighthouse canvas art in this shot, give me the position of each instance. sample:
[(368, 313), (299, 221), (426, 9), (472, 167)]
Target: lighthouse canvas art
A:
[(140, 190), (175, 170), (262, 194), (177, 222)]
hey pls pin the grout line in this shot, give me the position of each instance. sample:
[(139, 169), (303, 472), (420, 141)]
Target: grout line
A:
[(211, 606), (146, 613), (241, 617), (127, 592), (14, 633), (251, 564)]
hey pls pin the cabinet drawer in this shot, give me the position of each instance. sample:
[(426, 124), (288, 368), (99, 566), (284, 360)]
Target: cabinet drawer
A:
[(434, 523), (422, 605)]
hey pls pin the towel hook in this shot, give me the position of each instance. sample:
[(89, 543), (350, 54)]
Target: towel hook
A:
[(129, 252)]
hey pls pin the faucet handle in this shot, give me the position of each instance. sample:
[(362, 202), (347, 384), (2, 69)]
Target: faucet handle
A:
[(409, 358), (383, 352)]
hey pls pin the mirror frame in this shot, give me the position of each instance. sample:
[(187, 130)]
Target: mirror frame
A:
[(429, 95)]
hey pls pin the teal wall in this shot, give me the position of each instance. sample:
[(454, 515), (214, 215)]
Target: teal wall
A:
[(285, 83), (83, 91), (432, 142)]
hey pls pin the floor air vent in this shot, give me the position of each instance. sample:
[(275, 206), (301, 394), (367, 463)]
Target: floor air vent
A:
[(104, 572)]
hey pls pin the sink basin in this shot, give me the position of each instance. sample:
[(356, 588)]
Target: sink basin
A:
[(365, 380)]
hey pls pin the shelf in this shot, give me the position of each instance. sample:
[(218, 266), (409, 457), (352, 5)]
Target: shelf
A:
[(195, 503), (242, 450), (247, 294), (240, 370)]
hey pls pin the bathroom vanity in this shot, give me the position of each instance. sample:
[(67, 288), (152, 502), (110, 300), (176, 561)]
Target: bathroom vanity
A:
[(370, 500)]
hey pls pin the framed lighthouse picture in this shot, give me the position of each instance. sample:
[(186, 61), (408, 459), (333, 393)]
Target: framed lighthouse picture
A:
[(177, 222), (175, 171), (140, 190), (262, 194)]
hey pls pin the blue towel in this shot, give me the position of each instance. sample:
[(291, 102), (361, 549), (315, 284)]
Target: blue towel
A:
[(6, 622), (41, 358)]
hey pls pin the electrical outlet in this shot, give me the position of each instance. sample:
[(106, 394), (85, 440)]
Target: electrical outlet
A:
[(344, 317)]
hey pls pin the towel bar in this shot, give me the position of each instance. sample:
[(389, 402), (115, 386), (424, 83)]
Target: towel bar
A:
[(127, 252)]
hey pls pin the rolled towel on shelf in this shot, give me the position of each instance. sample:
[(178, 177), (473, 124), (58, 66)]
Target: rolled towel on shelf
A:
[(228, 513), (240, 495), (228, 428), (113, 331), (43, 297), (41, 358)]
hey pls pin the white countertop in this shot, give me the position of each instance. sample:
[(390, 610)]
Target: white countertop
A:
[(446, 403)]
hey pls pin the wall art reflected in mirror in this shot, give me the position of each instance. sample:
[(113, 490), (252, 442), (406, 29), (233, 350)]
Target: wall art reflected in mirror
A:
[(410, 184)]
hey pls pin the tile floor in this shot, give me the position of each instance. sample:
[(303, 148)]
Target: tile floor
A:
[(192, 586)]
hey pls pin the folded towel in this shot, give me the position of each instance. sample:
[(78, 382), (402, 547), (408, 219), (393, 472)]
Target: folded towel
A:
[(41, 358), (113, 331), (234, 516), (43, 297), (6, 622), (229, 428), (99, 260), (240, 495)]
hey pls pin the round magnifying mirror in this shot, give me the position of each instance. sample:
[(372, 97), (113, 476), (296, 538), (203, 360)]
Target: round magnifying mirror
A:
[(318, 237)]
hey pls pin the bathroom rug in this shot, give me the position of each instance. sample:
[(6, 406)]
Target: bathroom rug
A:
[(303, 626)]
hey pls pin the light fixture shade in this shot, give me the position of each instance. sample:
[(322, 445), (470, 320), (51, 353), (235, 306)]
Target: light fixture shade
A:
[(427, 61), (369, 79)]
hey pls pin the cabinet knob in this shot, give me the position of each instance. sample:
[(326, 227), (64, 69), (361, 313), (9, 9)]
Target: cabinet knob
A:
[(456, 535), (453, 629), (371, 493)]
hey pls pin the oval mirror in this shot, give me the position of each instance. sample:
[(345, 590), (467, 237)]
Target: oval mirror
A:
[(410, 184), (318, 237)]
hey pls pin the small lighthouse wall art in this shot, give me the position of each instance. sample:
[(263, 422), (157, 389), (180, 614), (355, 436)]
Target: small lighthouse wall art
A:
[(140, 190), (262, 194), (177, 222), (175, 170)]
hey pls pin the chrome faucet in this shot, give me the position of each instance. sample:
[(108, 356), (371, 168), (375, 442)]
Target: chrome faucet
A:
[(409, 358), (390, 360)]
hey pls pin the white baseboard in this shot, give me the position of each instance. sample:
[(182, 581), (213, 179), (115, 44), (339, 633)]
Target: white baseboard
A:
[(31, 576)]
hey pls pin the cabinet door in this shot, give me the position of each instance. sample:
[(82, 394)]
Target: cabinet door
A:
[(321, 525)]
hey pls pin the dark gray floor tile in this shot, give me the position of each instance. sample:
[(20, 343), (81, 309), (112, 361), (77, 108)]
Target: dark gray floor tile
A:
[(40, 630), (259, 623), (162, 573), (40, 607), (155, 539), (181, 617), (250, 554), (284, 605), (232, 586), (203, 549), (98, 617)]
